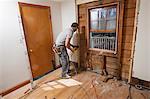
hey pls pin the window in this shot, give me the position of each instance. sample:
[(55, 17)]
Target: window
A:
[(103, 28)]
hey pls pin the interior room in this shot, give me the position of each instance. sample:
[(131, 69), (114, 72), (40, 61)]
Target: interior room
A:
[(74, 49)]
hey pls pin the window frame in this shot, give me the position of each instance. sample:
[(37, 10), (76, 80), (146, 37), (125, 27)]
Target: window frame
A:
[(102, 51)]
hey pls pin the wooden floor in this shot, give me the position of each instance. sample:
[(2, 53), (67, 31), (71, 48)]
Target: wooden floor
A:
[(86, 85)]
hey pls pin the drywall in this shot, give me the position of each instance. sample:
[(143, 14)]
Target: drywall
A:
[(84, 1), (141, 65), (0, 62), (14, 64), (38, 2), (56, 22), (56, 18), (68, 13)]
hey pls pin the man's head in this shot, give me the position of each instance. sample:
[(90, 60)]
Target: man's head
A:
[(74, 26)]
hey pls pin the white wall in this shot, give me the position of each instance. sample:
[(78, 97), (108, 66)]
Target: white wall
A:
[(38, 2), (56, 18), (14, 63), (56, 21), (68, 13), (0, 61), (84, 1), (141, 67)]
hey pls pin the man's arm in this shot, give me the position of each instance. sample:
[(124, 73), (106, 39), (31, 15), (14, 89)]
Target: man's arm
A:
[(67, 43), (74, 46)]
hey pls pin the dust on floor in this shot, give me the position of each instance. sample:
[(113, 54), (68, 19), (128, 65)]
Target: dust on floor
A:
[(86, 85)]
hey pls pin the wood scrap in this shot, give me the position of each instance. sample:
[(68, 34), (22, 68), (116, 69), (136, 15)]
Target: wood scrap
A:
[(106, 78)]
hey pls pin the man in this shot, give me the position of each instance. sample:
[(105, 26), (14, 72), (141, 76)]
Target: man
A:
[(63, 42)]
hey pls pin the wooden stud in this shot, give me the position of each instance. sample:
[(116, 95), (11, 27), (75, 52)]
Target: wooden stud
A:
[(133, 44)]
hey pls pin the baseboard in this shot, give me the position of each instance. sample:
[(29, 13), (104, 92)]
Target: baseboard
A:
[(15, 88), (3, 93), (136, 81), (58, 66)]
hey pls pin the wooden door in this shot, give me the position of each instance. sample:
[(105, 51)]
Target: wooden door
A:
[(38, 34)]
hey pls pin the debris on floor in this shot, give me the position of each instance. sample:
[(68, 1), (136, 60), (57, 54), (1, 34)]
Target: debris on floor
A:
[(88, 85)]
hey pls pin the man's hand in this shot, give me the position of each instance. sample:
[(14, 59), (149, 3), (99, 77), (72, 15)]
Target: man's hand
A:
[(74, 46), (74, 49)]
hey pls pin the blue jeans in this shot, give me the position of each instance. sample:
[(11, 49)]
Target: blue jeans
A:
[(64, 60)]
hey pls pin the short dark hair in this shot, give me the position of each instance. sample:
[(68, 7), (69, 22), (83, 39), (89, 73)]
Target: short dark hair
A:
[(74, 24)]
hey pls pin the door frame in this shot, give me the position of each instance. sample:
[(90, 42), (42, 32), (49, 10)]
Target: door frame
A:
[(53, 54)]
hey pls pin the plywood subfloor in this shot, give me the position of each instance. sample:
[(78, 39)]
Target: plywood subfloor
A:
[(86, 85)]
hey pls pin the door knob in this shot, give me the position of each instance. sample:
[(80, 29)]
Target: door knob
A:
[(30, 50)]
